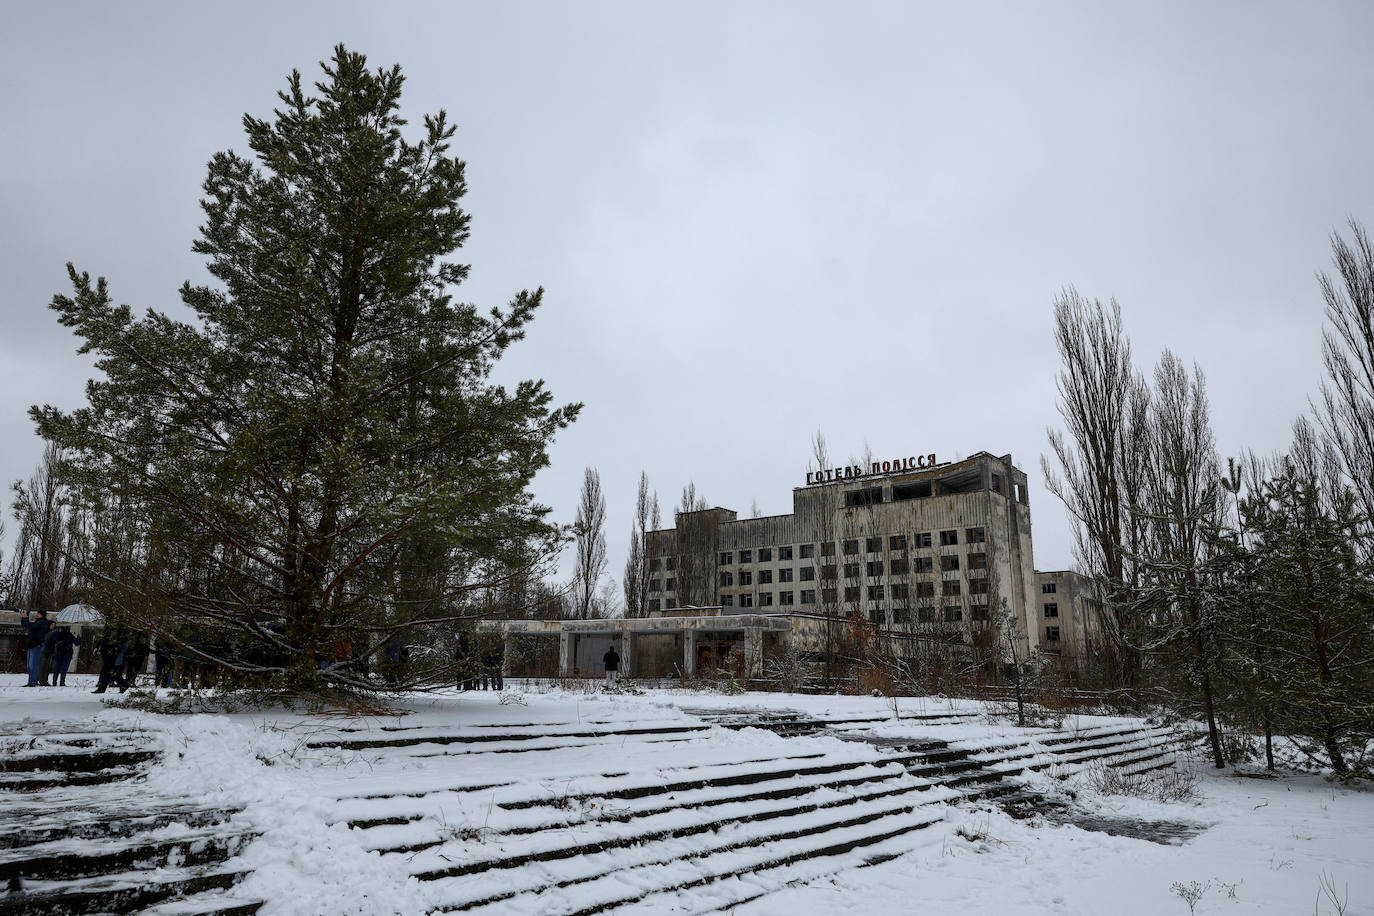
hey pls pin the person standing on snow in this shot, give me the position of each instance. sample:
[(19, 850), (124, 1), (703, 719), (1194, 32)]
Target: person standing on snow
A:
[(64, 641), (111, 648), (37, 631), (612, 662)]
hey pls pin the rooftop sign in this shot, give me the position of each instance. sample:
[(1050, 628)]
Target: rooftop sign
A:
[(849, 472)]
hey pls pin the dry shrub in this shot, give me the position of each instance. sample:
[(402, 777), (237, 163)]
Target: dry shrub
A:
[(1170, 784)]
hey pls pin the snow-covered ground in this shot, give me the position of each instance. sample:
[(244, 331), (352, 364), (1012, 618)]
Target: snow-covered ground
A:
[(571, 801)]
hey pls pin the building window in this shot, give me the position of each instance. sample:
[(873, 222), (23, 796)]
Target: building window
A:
[(655, 585), (746, 556), (785, 575), (808, 551), (953, 613), (900, 590), (864, 496), (669, 604), (653, 604), (784, 597), (976, 535), (727, 601), (765, 577), (765, 554), (918, 490), (897, 542), (726, 557), (746, 600), (925, 614), (950, 587), (873, 545), (670, 563), (900, 567), (1048, 588), (808, 596), (851, 593), (949, 538), (746, 577), (925, 589), (784, 553), (1052, 634), (978, 586), (765, 599), (827, 549), (808, 574), (1052, 609), (979, 612), (997, 484), (922, 539), (830, 572), (851, 570), (875, 593), (851, 547), (875, 567), (977, 561), (657, 564), (949, 563), (670, 585), (877, 617), (727, 579), (924, 564), (830, 595)]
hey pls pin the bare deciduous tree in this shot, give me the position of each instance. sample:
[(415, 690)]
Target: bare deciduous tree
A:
[(42, 569), (637, 563), (1347, 404), (589, 532), (1103, 401), (1183, 501)]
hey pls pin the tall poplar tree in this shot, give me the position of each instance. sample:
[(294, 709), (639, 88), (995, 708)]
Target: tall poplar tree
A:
[(317, 451)]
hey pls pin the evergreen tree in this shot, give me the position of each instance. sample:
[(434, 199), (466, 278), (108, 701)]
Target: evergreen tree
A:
[(1310, 634), (317, 454)]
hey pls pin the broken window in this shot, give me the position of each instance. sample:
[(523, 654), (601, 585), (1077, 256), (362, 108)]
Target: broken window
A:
[(897, 542), (951, 587), (949, 563), (875, 567), (900, 567), (874, 545), (864, 496), (918, 490), (976, 535), (1052, 609), (949, 538)]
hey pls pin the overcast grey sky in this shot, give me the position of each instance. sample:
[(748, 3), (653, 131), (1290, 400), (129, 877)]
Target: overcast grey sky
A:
[(753, 220)]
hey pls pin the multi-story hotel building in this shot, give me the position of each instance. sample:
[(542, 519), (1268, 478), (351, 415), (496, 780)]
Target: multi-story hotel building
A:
[(915, 546)]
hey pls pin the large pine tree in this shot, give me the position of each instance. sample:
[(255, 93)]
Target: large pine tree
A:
[(317, 455)]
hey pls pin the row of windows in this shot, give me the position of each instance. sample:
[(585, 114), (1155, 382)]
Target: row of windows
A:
[(872, 569), (852, 594), (949, 613), (850, 547)]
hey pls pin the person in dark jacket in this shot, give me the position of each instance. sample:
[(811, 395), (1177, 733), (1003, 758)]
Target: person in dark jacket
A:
[(36, 626), (612, 662), (64, 642), (136, 658), (112, 646), (466, 664), (492, 657)]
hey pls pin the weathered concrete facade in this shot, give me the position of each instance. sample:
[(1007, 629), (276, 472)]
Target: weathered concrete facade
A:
[(1068, 613), (940, 549)]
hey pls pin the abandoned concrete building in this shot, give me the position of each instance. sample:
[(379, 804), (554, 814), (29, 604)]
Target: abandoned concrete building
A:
[(915, 548), (925, 552)]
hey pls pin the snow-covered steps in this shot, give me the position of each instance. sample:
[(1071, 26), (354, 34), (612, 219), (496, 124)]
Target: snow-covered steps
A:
[(80, 832)]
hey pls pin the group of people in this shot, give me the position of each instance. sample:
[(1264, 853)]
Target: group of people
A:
[(479, 666), (49, 645)]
